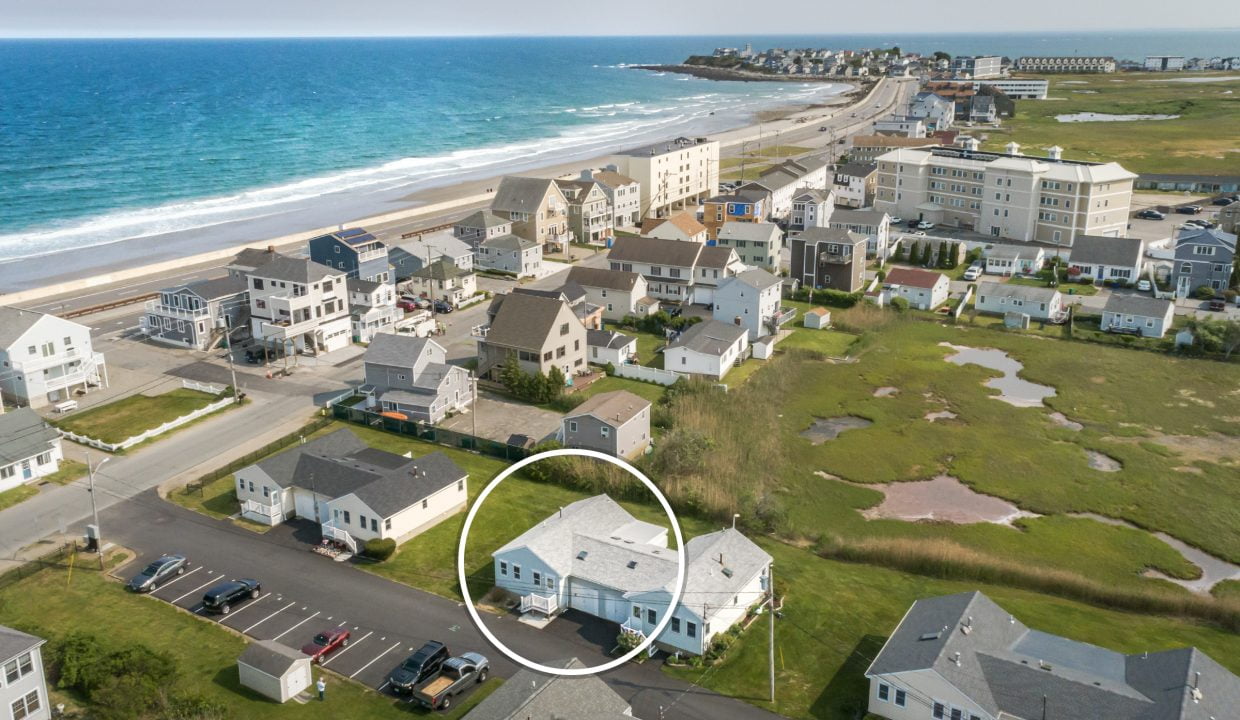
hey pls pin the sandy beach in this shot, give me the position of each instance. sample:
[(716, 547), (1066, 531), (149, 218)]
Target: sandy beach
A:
[(424, 208)]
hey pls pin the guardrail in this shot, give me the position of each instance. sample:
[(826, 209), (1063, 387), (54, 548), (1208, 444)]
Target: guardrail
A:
[(92, 309)]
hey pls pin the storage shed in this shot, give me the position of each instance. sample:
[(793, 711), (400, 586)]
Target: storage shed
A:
[(273, 670)]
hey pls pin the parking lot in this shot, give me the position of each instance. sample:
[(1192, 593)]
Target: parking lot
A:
[(369, 657)]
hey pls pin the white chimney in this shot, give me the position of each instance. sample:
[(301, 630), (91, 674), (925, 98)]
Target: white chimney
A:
[(1054, 152), (971, 144), (1012, 148)]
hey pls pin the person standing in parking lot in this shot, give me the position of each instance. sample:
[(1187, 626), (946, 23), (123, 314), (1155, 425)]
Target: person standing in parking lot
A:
[(321, 686)]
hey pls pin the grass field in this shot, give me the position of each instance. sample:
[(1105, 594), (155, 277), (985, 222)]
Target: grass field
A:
[(1201, 141), (52, 605), (13, 496), (1076, 288), (650, 391), (124, 418)]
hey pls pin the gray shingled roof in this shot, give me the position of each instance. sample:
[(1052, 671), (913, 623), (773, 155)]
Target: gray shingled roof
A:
[(524, 320), (271, 658), (482, 220), (534, 696), (715, 256), (710, 337), (720, 564), (831, 235), (812, 194), (603, 278), (552, 539), (1023, 292), (359, 285), (521, 194), (757, 232), (655, 251), (402, 487), (1140, 305), (853, 169), (15, 642), (1007, 667), (1099, 250), (846, 216), (614, 408), (14, 322), (441, 269), (757, 278), (508, 242), (397, 350), (607, 338), (24, 434), (1011, 252), (216, 287), (298, 270)]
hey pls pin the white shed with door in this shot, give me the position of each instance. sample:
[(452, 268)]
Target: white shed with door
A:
[(273, 670)]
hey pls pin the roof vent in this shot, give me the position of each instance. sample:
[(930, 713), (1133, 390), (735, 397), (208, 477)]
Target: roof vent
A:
[(1012, 148), (1054, 152), (957, 660), (931, 635), (582, 555), (632, 564), (1045, 665), (727, 572)]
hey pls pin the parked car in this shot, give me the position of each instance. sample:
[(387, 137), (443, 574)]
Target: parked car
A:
[(1144, 285), (1151, 215), (896, 220), (254, 356), (913, 223), (925, 225), (822, 128), (222, 597), (1203, 224), (1188, 209), (326, 643), (419, 667), (1217, 305), (443, 306), (154, 575), (1222, 201), (406, 305), (456, 675), (974, 272)]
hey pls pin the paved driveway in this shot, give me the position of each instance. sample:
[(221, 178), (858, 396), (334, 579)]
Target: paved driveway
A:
[(497, 417), (303, 593)]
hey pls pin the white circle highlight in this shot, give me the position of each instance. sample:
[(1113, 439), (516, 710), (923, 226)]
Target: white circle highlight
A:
[(586, 671)]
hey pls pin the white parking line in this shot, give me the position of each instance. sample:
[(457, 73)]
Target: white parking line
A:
[(191, 592), (372, 662), (260, 622), (303, 622), (385, 684), (345, 650), (181, 577), (243, 609)]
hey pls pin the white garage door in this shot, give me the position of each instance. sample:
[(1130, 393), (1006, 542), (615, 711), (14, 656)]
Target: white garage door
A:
[(584, 598)]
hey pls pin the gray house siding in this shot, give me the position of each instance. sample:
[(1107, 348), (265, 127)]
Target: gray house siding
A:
[(623, 441)]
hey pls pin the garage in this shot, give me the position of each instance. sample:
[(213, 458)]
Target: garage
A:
[(598, 601), (584, 597)]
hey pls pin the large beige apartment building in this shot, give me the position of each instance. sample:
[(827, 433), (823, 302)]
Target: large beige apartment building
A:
[(1008, 195), (673, 175)]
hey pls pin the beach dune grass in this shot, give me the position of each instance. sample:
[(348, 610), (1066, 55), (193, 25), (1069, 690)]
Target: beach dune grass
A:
[(122, 419)]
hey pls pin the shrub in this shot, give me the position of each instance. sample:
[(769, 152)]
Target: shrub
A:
[(626, 641), (899, 304), (564, 403), (379, 548), (1205, 292), (610, 369)]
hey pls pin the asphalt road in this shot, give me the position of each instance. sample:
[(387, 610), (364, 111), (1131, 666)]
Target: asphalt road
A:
[(304, 593)]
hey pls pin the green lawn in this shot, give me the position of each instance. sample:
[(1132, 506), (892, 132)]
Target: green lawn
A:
[(217, 499), (831, 343), (836, 617), (1200, 141), (647, 345), (68, 471), (1074, 288), (13, 496), (650, 391), (52, 604), (739, 375), (124, 418)]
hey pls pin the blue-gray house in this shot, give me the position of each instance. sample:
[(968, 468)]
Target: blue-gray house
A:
[(355, 251), (1203, 258)]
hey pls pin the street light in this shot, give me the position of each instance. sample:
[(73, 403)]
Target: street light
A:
[(94, 508)]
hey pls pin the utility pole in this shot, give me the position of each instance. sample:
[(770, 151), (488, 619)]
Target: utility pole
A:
[(231, 368), (473, 382), (94, 507), (770, 578)]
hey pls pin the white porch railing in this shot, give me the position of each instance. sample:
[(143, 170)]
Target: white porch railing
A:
[(331, 532), (258, 512), (633, 626), (546, 605)]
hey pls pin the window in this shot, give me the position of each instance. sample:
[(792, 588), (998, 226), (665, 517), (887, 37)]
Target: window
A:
[(550, 583), (651, 616), (425, 502), (901, 697), (460, 486), (676, 625), (374, 525), (25, 706), (605, 431), (937, 713), (346, 517), (572, 426), (884, 692), (516, 572), (691, 629), (266, 491), (637, 611), (251, 486), (11, 673), (387, 524), (537, 578), (361, 520), (240, 484), (957, 714), (44, 458)]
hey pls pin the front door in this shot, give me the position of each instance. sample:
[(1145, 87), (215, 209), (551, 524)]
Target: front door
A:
[(26, 473)]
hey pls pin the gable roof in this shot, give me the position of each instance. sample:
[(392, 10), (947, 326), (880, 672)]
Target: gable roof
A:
[(614, 408), (1006, 667), (756, 278), (683, 221), (831, 235), (521, 194), (613, 179), (720, 564), (14, 322), (849, 216), (655, 251), (1139, 305), (1022, 292), (1013, 252), (608, 339), (24, 434), (271, 658), (716, 257), (603, 278), (1201, 236), (1099, 250), (482, 220), (536, 696), (214, 288), (856, 169), (524, 320), (552, 539), (396, 350), (812, 195), (15, 642), (441, 269), (508, 242), (709, 337), (912, 278), (250, 258), (758, 232), (358, 285), (298, 270)]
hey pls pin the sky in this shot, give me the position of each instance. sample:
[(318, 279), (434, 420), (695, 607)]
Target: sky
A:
[(268, 18)]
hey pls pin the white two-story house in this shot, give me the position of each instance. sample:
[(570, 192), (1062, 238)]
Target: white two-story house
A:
[(44, 359), (298, 305), (23, 685), (751, 299)]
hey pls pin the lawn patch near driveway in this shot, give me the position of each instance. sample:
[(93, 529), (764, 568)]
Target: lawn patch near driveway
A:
[(122, 419)]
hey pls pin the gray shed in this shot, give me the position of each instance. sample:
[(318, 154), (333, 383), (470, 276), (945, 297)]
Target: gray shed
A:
[(273, 670)]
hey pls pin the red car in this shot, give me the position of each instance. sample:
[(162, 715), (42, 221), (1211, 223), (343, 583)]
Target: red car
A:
[(326, 643)]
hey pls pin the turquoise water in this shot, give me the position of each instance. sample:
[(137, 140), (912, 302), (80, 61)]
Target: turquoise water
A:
[(223, 141)]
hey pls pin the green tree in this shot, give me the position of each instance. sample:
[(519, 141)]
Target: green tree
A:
[(943, 253), (925, 254)]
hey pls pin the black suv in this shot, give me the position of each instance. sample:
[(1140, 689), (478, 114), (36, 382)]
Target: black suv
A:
[(1188, 209), (419, 667), (222, 597), (153, 575)]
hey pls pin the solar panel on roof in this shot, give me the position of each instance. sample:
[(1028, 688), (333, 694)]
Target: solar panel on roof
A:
[(350, 232)]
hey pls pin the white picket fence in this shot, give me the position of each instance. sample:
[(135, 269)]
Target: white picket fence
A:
[(156, 431), (647, 374)]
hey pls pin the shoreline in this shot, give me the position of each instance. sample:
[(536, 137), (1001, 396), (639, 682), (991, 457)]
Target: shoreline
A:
[(437, 201), (706, 72)]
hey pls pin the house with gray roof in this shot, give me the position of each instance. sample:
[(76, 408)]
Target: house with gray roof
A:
[(1203, 258), (45, 358), (412, 255), (444, 280), (616, 423), (410, 376), (595, 557), (298, 305), (537, 696), (811, 207), (197, 315), (1039, 303), (827, 257), (751, 299), (541, 332), (709, 348), (757, 244), (480, 225), (353, 491), (536, 207), (619, 293), (510, 254), (1107, 258), (963, 657), (29, 448), (23, 692), (609, 346), (1009, 260), (354, 250), (875, 225), (675, 271), (1138, 315)]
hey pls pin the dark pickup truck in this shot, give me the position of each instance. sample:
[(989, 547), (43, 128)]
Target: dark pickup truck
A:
[(456, 675)]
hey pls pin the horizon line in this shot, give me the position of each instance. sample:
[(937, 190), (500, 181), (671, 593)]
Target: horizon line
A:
[(900, 33)]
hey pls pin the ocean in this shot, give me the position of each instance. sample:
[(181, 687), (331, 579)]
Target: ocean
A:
[(216, 142)]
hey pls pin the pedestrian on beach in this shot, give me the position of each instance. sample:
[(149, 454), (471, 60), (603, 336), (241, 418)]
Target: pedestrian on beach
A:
[(321, 686)]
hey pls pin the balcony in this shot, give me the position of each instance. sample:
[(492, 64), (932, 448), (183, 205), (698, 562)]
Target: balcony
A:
[(56, 373), (547, 605), (834, 259), (155, 307), (479, 332), (368, 255), (783, 315)]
